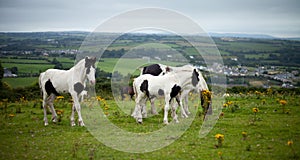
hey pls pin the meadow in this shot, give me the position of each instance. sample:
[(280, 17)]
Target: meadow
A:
[(252, 125), (37, 66)]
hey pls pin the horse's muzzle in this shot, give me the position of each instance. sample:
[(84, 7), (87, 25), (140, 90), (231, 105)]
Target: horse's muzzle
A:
[(92, 82)]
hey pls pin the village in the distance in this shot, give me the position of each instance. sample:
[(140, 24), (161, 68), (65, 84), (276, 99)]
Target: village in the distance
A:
[(259, 62)]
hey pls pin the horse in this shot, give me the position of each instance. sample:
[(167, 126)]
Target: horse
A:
[(54, 81)]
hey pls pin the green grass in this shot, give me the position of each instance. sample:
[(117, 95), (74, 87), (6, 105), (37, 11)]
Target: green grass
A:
[(23, 135), (10, 60), (249, 46), (127, 65), (21, 81), (28, 68)]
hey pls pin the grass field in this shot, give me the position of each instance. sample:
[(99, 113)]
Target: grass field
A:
[(247, 135), (21, 81), (126, 65)]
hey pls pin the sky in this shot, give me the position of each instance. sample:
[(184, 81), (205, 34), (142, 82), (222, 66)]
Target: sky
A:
[(279, 18)]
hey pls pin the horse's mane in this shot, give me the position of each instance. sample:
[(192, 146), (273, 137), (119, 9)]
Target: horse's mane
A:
[(78, 64)]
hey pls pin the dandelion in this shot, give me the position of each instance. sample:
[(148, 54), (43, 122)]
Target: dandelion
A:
[(60, 97), (100, 98), (11, 116), (220, 154), (244, 134), (290, 144), (255, 110), (59, 112), (283, 103), (225, 105), (229, 102), (220, 139)]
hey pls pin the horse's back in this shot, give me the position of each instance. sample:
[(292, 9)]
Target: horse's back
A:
[(58, 78)]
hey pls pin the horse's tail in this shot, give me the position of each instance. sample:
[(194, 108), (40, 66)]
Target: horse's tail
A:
[(40, 83), (134, 90)]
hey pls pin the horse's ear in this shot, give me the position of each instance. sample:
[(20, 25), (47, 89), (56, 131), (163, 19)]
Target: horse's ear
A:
[(168, 69), (94, 59)]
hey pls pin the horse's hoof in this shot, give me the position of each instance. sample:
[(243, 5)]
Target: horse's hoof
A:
[(73, 124), (184, 116), (54, 119), (80, 123), (166, 122), (139, 120), (46, 124)]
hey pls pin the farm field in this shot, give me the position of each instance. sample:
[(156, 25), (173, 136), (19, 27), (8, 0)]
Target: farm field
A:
[(254, 125)]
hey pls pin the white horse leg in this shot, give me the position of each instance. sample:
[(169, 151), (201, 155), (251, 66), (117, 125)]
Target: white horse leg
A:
[(45, 109), (153, 108), (72, 116), (143, 108), (78, 109), (139, 102), (167, 106), (186, 105), (174, 108), (182, 110), (50, 102), (138, 110), (139, 117), (134, 113), (183, 114)]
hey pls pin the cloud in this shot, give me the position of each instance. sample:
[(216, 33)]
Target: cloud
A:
[(277, 17)]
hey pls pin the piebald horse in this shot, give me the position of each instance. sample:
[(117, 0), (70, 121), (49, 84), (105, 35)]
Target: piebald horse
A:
[(54, 81)]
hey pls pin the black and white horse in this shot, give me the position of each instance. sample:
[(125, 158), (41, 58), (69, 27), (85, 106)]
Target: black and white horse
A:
[(54, 81)]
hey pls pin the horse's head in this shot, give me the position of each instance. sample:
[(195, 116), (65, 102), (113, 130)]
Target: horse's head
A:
[(90, 69)]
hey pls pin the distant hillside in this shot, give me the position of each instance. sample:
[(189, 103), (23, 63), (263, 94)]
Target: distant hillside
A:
[(242, 35)]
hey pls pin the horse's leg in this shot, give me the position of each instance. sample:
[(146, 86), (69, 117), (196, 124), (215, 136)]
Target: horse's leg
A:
[(136, 108), (182, 96), (78, 109), (72, 115), (167, 106), (144, 108), (186, 105), (139, 101), (153, 109), (50, 102), (173, 108), (45, 109)]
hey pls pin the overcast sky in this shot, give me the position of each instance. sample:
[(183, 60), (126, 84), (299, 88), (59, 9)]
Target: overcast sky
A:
[(274, 17)]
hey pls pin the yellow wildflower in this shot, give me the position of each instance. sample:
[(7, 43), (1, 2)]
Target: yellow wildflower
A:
[(60, 97), (290, 143), (220, 154), (225, 105), (283, 102), (219, 136), (255, 110)]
